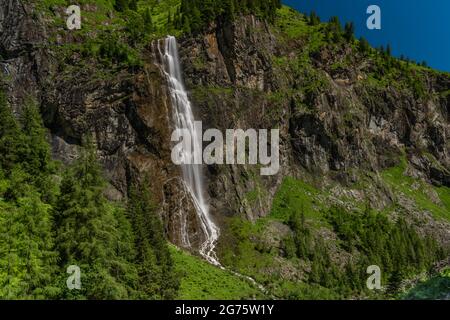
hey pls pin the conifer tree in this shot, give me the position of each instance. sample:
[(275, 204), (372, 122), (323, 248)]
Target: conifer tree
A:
[(157, 278), (11, 138), (148, 22), (313, 19), (121, 5), (27, 257), (89, 234), (363, 45), (388, 50), (36, 156), (349, 31), (133, 5)]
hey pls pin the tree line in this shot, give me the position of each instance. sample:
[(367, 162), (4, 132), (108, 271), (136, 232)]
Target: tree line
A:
[(193, 15)]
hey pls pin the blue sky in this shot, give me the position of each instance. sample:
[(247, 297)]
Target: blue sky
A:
[(419, 29)]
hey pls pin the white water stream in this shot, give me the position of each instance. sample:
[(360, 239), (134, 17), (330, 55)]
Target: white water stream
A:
[(192, 173)]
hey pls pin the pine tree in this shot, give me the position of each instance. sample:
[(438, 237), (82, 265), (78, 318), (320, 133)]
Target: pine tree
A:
[(27, 258), (133, 5), (334, 29), (89, 234), (169, 19), (155, 266), (363, 45), (228, 9), (186, 25), (121, 5), (148, 22), (26, 242), (301, 234), (314, 19), (388, 50), (349, 31), (11, 138), (37, 158), (335, 24), (135, 26), (200, 13)]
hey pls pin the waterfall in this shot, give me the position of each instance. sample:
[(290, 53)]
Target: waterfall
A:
[(192, 174)]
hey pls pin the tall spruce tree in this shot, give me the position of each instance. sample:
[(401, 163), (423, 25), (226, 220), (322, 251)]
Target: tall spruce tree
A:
[(28, 261), (36, 156), (27, 258), (93, 234), (157, 278), (11, 138)]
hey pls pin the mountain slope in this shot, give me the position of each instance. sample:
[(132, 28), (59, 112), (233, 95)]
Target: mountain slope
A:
[(363, 135)]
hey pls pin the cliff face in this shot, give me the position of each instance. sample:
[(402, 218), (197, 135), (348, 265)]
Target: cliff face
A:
[(24, 63), (339, 125)]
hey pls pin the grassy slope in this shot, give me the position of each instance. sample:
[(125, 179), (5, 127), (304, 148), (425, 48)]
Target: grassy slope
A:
[(418, 191), (203, 281)]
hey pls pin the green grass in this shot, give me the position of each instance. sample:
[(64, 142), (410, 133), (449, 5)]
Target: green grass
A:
[(294, 25), (160, 15), (296, 195), (291, 22), (399, 182), (203, 281)]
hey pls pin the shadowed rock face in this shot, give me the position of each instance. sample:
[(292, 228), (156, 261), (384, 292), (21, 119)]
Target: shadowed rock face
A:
[(233, 80), (23, 60)]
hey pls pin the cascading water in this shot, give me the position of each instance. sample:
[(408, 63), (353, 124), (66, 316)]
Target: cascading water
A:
[(192, 173)]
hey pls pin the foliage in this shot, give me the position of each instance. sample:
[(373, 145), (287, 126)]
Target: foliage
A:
[(331, 269), (93, 234), (27, 255), (53, 217), (436, 287), (395, 247), (403, 184), (196, 14), (157, 278), (349, 31), (203, 281), (364, 46), (313, 19)]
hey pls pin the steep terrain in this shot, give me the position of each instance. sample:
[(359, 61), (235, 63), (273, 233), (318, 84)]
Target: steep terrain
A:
[(365, 158)]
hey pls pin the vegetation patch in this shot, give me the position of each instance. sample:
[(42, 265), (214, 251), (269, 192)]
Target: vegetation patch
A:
[(437, 287), (418, 190), (201, 281)]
